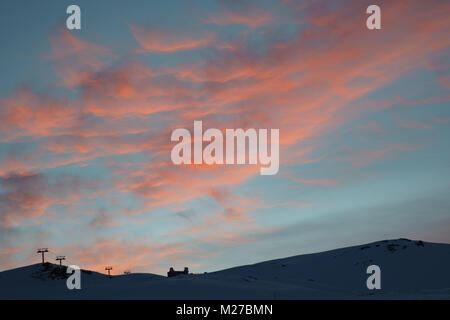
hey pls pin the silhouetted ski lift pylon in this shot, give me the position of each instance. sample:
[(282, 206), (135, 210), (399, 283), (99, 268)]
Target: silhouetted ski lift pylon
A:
[(60, 258), (109, 271), (42, 251)]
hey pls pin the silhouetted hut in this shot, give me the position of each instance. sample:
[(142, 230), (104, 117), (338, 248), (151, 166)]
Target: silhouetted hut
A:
[(173, 273)]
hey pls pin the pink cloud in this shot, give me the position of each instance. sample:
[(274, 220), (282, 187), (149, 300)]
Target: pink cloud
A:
[(253, 17), (371, 126), (164, 41), (413, 125), (366, 157), (442, 120)]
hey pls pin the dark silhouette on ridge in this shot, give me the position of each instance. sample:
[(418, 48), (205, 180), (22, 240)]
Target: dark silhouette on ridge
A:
[(173, 273), (42, 251)]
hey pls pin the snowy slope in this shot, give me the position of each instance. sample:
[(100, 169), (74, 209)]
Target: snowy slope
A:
[(409, 269)]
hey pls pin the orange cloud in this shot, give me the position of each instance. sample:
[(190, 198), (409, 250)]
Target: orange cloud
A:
[(371, 126), (29, 195), (366, 157), (75, 59), (26, 113), (442, 120), (318, 181), (164, 41), (253, 17), (413, 125)]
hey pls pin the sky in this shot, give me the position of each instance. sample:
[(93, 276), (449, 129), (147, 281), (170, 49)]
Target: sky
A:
[(86, 118)]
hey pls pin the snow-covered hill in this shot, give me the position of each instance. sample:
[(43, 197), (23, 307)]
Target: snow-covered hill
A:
[(409, 269)]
